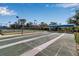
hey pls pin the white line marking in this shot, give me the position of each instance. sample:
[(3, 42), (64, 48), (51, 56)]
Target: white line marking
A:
[(24, 41), (58, 51), (17, 37), (39, 48)]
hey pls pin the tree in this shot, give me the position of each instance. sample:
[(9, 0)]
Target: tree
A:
[(35, 22), (53, 26), (74, 19), (71, 21), (15, 25), (43, 25), (29, 24), (21, 21), (12, 26), (53, 23)]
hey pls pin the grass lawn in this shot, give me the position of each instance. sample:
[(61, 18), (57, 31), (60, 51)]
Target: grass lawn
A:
[(76, 37)]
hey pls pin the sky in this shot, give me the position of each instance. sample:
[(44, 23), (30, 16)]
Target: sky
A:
[(42, 12)]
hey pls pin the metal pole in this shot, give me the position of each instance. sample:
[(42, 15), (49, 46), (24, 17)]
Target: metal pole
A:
[(22, 29)]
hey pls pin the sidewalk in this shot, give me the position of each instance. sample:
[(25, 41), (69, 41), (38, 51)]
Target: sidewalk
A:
[(15, 35), (12, 35)]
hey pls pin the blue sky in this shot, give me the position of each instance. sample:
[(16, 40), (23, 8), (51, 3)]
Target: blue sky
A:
[(42, 12)]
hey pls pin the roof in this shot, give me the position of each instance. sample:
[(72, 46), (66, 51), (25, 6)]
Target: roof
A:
[(68, 25)]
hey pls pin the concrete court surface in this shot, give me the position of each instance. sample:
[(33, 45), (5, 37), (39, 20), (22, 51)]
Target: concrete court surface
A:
[(43, 44)]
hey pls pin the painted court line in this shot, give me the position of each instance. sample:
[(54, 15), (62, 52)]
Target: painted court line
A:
[(24, 41), (58, 50), (39, 48), (17, 37)]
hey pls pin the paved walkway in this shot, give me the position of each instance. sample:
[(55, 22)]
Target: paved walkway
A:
[(41, 44), (39, 48), (23, 41), (5, 36), (65, 46)]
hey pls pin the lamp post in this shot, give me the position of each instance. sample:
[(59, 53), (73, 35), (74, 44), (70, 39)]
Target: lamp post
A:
[(9, 23), (17, 19), (21, 22)]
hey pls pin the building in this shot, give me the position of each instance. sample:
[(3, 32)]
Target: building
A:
[(57, 27), (66, 26)]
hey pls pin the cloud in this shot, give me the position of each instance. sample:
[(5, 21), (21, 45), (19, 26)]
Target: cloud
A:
[(6, 11), (68, 5)]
